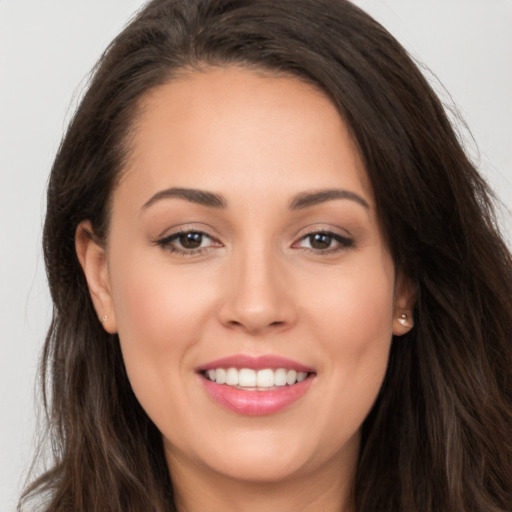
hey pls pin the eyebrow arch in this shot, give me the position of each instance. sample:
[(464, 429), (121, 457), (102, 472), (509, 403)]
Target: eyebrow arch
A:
[(306, 199), (201, 197)]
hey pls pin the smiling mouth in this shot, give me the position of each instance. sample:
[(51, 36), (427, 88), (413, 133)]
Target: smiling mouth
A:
[(248, 379), (256, 386)]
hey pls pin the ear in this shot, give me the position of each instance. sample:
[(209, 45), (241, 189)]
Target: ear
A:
[(93, 260), (405, 297)]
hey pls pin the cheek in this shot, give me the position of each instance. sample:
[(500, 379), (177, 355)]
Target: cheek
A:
[(158, 319), (356, 332), (355, 307), (154, 302), (160, 314)]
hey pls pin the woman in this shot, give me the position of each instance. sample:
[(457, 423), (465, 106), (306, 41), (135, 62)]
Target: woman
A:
[(277, 278)]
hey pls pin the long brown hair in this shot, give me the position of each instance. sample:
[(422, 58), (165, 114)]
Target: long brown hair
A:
[(439, 437)]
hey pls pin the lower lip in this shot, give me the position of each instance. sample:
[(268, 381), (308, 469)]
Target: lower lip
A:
[(256, 403)]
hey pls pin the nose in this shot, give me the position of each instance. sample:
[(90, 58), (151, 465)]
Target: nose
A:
[(257, 295)]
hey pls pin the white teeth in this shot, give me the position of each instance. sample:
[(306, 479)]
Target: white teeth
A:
[(265, 378), (232, 377), (260, 379), (247, 378), (291, 377), (280, 377), (220, 376)]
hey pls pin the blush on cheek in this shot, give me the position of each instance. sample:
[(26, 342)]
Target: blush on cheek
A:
[(360, 309), (145, 306)]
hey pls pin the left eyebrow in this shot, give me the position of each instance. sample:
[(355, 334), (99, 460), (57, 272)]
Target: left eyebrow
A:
[(307, 199)]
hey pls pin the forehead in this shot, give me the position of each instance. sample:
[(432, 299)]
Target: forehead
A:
[(232, 128)]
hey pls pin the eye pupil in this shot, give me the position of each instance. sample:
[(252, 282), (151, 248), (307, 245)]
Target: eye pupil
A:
[(191, 240), (320, 241)]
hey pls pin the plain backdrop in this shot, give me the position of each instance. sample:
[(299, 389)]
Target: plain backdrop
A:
[(46, 51)]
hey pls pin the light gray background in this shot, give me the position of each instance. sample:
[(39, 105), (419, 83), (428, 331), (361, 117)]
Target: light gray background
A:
[(46, 50)]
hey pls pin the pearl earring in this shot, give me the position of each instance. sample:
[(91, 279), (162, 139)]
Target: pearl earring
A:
[(403, 320), (104, 319)]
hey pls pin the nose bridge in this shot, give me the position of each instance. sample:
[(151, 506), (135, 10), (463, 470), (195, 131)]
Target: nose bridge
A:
[(256, 299)]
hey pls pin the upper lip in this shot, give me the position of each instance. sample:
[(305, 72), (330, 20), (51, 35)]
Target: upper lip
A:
[(255, 363)]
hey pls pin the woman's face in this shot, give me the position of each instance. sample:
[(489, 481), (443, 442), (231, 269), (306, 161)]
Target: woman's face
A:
[(244, 245)]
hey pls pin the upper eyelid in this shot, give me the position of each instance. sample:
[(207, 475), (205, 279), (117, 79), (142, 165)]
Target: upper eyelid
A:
[(187, 228), (336, 236), (329, 229), (179, 232)]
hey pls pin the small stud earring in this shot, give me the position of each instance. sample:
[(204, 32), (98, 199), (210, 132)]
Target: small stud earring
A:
[(403, 320), (104, 319)]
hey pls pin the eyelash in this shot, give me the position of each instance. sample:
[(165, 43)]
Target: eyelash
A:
[(343, 242), (167, 242)]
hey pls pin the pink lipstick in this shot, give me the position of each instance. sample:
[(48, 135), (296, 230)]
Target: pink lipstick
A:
[(255, 385)]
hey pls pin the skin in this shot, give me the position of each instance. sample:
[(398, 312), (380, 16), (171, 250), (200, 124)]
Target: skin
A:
[(256, 287)]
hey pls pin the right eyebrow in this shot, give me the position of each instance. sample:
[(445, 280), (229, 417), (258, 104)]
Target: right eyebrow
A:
[(192, 195)]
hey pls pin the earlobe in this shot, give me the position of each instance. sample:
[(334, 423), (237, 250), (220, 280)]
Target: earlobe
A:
[(402, 323), (93, 260), (405, 298)]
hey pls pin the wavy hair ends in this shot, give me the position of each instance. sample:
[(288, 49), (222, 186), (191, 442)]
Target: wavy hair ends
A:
[(439, 437)]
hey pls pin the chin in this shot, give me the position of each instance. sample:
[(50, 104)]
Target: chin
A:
[(262, 469)]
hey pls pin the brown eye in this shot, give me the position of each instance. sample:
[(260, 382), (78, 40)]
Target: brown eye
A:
[(190, 240), (320, 241), (324, 242)]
